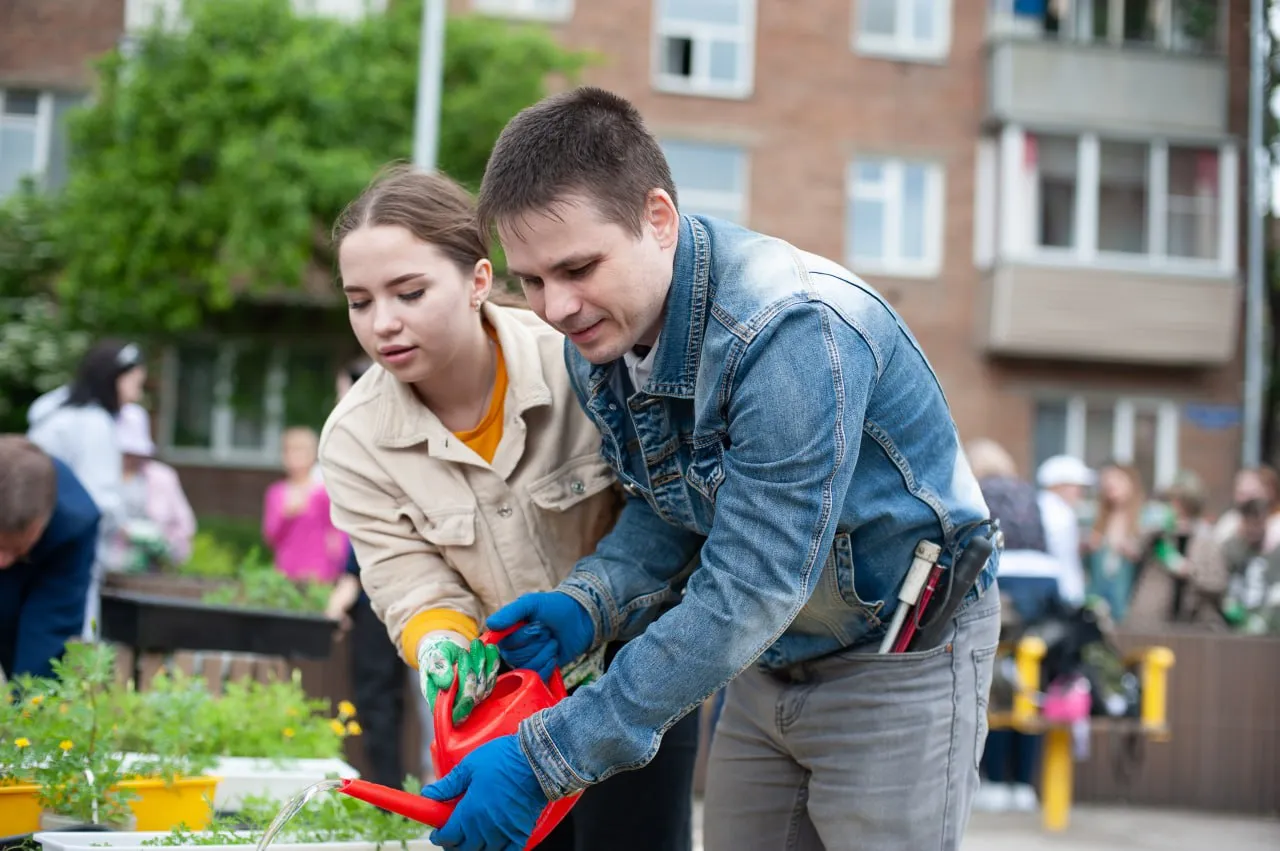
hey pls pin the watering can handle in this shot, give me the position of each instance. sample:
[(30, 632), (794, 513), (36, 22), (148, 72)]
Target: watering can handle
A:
[(490, 636), (417, 807)]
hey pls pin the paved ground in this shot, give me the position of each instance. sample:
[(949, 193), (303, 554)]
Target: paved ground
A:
[(1107, 829)]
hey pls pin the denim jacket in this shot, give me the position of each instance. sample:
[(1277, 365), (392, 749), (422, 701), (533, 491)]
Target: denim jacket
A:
[(794, 444)]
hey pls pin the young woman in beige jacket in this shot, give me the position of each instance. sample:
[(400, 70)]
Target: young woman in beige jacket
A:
[(466, 474)]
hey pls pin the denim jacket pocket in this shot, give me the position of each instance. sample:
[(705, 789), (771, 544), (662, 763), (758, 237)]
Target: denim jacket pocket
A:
[(446, 527), (706, 469), (857, 591)]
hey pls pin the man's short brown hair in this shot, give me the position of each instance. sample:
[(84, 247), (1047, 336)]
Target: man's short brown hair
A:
[(28, 484), (585, 141)]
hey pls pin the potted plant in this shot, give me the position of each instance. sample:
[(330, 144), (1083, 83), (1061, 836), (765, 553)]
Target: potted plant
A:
[(71, 729), (19, 807), (268, 739), (321, 824), (70, 735)]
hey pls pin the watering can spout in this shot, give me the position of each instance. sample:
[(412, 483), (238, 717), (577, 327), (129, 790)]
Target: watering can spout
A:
[(417, 807)]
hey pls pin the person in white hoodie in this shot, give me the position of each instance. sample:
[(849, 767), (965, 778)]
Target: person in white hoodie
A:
[(76, 424)]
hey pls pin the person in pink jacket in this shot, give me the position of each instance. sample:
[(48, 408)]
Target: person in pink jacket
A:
[(295, 521), (158, 522)]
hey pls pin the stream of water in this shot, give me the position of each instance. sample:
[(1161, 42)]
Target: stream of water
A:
[(292, 807)]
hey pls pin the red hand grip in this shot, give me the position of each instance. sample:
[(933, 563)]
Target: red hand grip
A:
[(417, 807)]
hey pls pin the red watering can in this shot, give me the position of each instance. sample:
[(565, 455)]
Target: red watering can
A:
[(516, 695)]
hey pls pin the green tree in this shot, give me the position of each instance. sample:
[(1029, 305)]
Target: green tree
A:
[(39, 344), (215, 157)]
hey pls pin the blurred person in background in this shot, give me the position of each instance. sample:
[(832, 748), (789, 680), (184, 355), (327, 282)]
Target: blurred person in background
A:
[(1251, 603), (377, 674), (1253, 484), (466, 474), (295, 516), (1114, 546), (1030, 580), (1183, 576), (1064, 482), (158, 524), (48, 546), (76, 424)]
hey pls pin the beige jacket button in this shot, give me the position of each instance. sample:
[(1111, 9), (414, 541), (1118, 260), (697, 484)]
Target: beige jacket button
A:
[(504, 511), (577, 487)]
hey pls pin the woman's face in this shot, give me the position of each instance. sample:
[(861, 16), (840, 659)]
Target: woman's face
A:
[(129, 385), (1115, 485), (412, 308), (1250, 486)]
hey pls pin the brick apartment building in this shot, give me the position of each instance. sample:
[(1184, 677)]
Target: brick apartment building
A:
[(1051, 194)]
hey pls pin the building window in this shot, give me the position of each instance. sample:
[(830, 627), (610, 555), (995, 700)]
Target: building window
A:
[(1186, 26), (1121, 202), (903, 29), (539, 10), (711, 179), (705, 47), (894, 217), (1141, 432), (228, 403), (24, 144)]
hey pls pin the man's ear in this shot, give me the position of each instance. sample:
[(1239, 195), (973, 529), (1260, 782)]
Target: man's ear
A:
[(661, 215)]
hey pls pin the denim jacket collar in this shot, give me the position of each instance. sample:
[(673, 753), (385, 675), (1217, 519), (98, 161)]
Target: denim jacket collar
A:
[(675, 365)]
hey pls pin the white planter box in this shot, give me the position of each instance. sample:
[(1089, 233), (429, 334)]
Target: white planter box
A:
[(243, 777), (87, 841)]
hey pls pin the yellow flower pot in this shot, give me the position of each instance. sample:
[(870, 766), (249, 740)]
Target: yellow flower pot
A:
[(19, 812), (163, 807)]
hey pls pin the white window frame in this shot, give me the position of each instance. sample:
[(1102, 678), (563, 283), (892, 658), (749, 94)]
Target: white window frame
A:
[(1018, 216), (901, 45), (525, 10), (893, 264), (1124, 416), (222, 452), (696, 200), (699, 83), (41, 123)]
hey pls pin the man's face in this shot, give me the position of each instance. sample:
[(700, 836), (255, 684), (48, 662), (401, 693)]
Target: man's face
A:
[(15, 545), (602, 286)]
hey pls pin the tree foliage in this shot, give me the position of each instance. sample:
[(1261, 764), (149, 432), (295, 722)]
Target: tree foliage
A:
[(214, 159)]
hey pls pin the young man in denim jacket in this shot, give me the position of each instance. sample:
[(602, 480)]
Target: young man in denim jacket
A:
[(786, 446)]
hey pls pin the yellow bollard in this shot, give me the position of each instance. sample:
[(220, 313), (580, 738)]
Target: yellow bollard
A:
[(1027, 657), (1056, 778), (1156, 663)]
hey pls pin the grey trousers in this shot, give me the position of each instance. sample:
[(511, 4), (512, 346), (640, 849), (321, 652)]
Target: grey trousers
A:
[(856, 751)]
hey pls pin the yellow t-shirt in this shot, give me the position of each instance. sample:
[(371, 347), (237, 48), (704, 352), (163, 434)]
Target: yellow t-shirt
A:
[(485, 437), (483, 440)]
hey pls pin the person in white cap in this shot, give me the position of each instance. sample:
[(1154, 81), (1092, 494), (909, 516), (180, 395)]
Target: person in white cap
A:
[(1064, 481), (159, 523)]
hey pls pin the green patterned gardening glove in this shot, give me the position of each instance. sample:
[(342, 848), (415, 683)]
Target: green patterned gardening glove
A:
[(477, 664)]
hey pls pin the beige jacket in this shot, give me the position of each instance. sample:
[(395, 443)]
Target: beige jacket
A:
[(433, 525)]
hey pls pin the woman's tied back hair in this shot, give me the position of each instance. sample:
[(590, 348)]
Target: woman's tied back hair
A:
[(28, 484), (430, 205), (587, 142)]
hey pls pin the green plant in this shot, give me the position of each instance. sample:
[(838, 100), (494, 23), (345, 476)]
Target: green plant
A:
[(277, 720), (261, 586), (329, 818), (210, 558), (168, 726), (73, 730)]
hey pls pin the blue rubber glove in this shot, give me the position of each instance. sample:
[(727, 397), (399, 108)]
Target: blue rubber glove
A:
[(557, 631), (501, 799)]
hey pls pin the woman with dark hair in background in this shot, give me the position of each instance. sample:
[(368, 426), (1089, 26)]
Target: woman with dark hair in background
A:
[(377, 673), (76, 424)]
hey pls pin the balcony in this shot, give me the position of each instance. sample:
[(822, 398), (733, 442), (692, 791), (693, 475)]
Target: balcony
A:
[(1091, 314), (1152, 67)]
